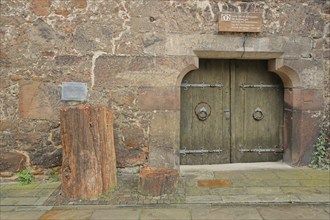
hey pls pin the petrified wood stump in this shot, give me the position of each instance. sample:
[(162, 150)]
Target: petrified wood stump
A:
[(89, 160), (156, 181)]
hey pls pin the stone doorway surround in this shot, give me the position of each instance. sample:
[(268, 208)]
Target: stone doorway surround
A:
[(303, 105)]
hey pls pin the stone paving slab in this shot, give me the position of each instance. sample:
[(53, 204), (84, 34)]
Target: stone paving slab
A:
[(26, 215), (48, 185), (19, 201), (204, 199), (117, 214), (282, 182), (299, 213), (327, 209), (278, 198), (33, 208), (4, 208), (166, 214), (240, 199), (67, 214), (315, 198), (16, 186), (227, 213), (247, 182), (20, 192), (315, 182)]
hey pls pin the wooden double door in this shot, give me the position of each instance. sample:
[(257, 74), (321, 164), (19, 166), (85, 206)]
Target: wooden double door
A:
[(231, 112)]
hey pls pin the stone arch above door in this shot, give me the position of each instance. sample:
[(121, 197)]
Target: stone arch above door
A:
[(289, 76)]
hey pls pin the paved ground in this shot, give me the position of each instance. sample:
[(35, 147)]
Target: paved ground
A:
[(278, 212), (254, 192)]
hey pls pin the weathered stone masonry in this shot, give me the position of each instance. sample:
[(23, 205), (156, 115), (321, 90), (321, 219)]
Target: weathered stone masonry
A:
[(133, 55)]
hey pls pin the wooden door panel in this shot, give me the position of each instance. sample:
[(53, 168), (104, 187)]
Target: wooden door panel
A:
[(213, 133), (248, 132)]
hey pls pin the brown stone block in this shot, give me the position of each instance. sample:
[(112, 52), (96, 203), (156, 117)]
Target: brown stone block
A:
[(8, 125), (295, 136), (7, 140), (131, 146), (211, 183), (81, 4), (326, 54), (41, 7), (30, 138), (133, 137), (4, 83), (161, 98), (301, 130), (292, 98), (287, 134), (38, 100), (164, 140), (112, 70), (47, 158), (129, 157), (146, 71), (67, 60), (156, 181), (6, 174), (12, 161), (312, 99), (123, 96), (62, 11), (15, 77), (5, 59), (309, 131)]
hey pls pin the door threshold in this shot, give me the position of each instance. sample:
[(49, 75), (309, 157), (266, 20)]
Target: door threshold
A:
[(235, 166)]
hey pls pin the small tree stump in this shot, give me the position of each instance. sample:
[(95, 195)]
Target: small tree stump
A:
[(156, 181), (89, 160)]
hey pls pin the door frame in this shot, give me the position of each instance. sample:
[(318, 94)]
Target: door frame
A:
[(293, 148)]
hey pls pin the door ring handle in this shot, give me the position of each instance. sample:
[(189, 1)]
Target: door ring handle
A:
[(258, 115), (202, 115), (203, 111)]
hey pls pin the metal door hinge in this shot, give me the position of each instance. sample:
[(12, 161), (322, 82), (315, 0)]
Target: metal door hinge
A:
[(260, 150), (259, 86), (199, 151), (202, 85)]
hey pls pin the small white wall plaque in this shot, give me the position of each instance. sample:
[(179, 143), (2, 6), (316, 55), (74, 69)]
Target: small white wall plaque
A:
[(74, 91)]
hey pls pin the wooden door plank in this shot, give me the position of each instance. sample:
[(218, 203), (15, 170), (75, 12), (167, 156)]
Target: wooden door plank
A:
[(216, 135)]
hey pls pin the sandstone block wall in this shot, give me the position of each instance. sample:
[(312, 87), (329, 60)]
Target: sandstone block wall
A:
[(131, 54)]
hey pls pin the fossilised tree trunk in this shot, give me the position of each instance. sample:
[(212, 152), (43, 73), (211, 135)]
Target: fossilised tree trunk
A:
[(156, 181), (89, 160)]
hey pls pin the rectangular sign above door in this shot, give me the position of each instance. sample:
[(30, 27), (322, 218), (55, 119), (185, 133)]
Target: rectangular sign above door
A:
[(240, 22)]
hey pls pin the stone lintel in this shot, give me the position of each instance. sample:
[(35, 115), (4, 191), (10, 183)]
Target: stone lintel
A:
[(260, 55)]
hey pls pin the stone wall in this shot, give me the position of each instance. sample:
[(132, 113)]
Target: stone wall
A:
[(131, 54)]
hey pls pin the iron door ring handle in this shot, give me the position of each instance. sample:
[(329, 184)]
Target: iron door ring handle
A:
[(258, 115), (202, 115), (203, 111)]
